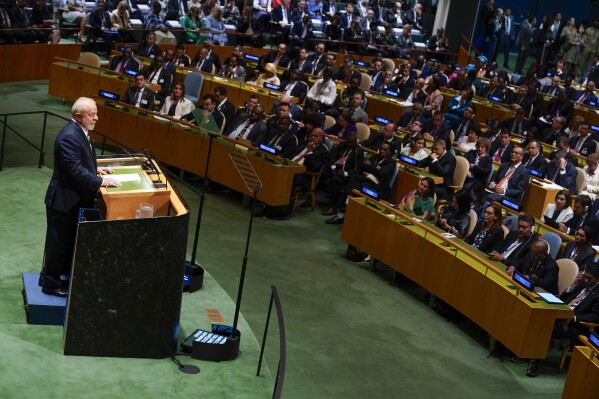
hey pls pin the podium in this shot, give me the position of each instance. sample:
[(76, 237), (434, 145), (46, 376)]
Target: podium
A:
[(127, 275)]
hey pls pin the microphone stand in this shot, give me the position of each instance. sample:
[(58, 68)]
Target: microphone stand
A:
[(244, 263)]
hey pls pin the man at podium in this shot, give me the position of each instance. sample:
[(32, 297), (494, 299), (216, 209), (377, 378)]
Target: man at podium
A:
[(75, 181)]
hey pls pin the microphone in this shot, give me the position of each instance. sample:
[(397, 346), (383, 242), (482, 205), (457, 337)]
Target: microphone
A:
[(151, 162)]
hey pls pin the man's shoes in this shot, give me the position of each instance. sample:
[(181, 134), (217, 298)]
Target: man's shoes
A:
[(329, 212), (334, 220), (62, 292), (533, 368), (516, 359)]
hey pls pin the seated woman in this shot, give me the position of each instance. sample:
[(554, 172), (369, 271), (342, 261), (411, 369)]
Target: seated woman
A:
[(468, 142), (216, 25), (76, 14), (455, 219), (560, 211), (591, 186), (176, 105), (416, 148), (155, 20), (192, 23), (420, 202), (480, 163), (488, 233), (342, 127), (581, 249), (42, 18), (269, 76), (458, 104)]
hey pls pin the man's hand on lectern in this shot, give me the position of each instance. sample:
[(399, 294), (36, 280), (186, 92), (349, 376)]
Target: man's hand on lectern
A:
[(110, 182), (103, 170)]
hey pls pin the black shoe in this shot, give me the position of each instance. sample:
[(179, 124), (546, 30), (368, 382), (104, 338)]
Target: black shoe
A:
[(533, 368), (516, 359), (62, 292), (335, 220)]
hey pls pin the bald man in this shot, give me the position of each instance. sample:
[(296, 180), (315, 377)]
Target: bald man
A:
[(539, 267)]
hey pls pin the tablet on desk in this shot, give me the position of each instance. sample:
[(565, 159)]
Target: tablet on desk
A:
[(549, 298), (523, 281), (551, 223)]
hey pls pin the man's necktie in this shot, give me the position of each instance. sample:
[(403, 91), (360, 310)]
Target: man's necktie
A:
[(137, 98), (498, 154), (506, 177)]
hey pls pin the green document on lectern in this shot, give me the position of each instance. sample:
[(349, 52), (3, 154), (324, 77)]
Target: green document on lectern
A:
[(131, 178)]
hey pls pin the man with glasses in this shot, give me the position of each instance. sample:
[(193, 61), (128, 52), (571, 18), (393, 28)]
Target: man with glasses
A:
[(139, 96), (534, 159), (516, 245), (317, 58), (510, 180)]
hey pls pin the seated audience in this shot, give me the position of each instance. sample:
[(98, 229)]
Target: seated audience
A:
[(582, 217), (468, 142), (560, 211), (248, 126), (458, 104), (541, 269), (313, 155), (591, 186), (562, 172), (442, 163), (517, 243), (455, 219), (488, 233), (176, 105), (581, 249), (420, 202), (510, 180), (160, 75), (139, 96), (415, 149), (480, 162)]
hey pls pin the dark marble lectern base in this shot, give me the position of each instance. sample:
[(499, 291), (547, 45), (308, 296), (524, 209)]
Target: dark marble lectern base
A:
[(126, 287)]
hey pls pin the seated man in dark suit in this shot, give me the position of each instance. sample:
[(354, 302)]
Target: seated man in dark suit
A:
[(563, 144), (584, 143), (385, 135), (281, 138), (562, 172), (550, 134), (510, 180), (587, 95), (558, 106), (101, 26), (125, 61), (517, 243), (223, 104), (302, 63), (248, 126), (583, 299), (295, 111), (139, 96), (376, 174), (534, 158), (437, 128), (158, 74), (518, 123), (582, 217), (201, 61), (501, 149), (295, 87), (313, 154), (540, 268), (415, 114), (442, 163), (149, 49)]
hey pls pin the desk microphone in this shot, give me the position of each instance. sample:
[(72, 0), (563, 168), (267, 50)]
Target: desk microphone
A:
[(152, 164)]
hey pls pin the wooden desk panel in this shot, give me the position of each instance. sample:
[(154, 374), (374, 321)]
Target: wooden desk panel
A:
[(32, 61), (188, 149), (455, 276), (582, 381), (536, 199)]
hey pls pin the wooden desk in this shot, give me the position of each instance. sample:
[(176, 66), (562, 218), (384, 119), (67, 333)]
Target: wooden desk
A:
[(407, 180), (187, 148), (536, 199), (33, 61), (456, 274), (582, 381)]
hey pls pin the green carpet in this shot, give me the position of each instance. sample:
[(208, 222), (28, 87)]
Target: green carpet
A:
[(349, 333)]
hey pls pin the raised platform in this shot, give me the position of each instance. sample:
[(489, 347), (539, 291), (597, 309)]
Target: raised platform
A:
[(39, 307)]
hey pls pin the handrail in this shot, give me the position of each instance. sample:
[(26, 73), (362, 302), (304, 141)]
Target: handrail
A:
[(280, 378), (470, 45), (449, 242)]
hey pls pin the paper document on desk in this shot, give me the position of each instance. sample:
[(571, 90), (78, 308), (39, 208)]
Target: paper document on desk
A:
[(125, 177), (551, 186), (449, 235)]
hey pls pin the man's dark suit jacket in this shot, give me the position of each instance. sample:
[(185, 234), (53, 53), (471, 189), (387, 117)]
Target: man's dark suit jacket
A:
[(272, 56), (567, 180), (150, 51), (444, 167), (74, 181), (286, 144), (375, 140), (546, 276), (585, 256), (507, 153), (538, 164), (591, 220), (147, 98), (314, 161), (522, 252), (516, 185), (165, 80), (206, 66), (565, 108), (228, 111), (384, 174), (131, 65), (588, 309), (257, 133), (587, 148), (590, 98), (524, 126), (549, 136), (300, 90)]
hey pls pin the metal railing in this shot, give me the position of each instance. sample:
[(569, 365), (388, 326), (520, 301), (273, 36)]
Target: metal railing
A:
[(280, 378)]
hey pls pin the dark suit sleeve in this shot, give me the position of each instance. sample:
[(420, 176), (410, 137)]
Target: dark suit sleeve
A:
[(444, 168), (517, 183), (548, 278), (70, 155), (590, 313)]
